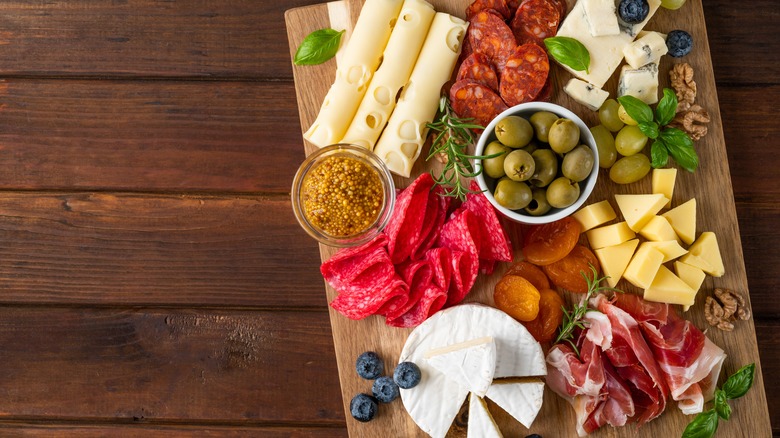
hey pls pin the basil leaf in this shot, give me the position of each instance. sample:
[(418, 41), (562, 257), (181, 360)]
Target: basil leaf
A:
[(722, 405), (318, 47), (740, 382), (649, 129), (659, 155), (569, 51), (637, 109), (703, 426), (680, 147), (666, 108)]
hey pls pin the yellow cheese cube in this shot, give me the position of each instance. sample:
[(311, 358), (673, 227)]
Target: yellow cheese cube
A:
[(643, 266), (610, 235), (594, 215), (706, 248), (683, 220), (658, 230), (614, 259), (691, 275), (671, 249), (637, 210), (668, 288), (699, 262), (663, 183)]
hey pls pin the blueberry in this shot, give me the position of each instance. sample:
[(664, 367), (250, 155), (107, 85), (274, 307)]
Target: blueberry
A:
[(385, 389), (363, 407), (633, 11), (534, 435), (679, 43), (369, 365), (407, 375)]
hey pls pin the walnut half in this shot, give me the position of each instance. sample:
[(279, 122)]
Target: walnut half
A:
[(693, 121), (724, 308), (681, 76)]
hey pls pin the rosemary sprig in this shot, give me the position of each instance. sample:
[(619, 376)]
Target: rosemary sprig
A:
[(453, 137), (573, 319)]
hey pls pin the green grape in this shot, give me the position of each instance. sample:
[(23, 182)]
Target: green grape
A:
[(630, 169), (608, 115), (672, 4), (605, 144), (630, 140), (623, 115)]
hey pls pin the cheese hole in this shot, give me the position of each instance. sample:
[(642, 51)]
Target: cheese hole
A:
[(410, 150), (394, 161), (454, 38), (409, 17), (382, 95), (361, 143), (408, 130), (408, 93), (373, 120), (392, 23)]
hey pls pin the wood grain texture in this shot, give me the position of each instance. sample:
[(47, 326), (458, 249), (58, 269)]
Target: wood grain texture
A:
[(161, 366), (711, 184), (105, 249), (144, 431)]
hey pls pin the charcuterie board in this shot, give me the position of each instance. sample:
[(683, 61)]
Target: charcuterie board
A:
[(710, 184)]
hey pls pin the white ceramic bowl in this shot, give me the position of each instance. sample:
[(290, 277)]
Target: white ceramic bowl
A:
[(526, 110)]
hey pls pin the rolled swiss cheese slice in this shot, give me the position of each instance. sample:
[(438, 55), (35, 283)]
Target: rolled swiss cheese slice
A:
[(360, 60), (403, 138), (400, 55)]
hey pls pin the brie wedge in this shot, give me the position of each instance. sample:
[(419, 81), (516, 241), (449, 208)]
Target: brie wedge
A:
[(471, 363), (481, 423), (520, 399)]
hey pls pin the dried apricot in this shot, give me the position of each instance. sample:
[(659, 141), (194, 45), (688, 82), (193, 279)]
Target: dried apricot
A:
[(550, 316), (567, 272), (548, 243), (517, 297), (531, 273)]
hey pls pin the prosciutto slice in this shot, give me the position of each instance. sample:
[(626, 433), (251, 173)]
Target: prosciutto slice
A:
[(689, 361)]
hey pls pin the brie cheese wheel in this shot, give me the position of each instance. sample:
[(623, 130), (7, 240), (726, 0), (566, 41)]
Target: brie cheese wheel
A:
[(481, 423), (436, 400), (470, 363), (521, 399)]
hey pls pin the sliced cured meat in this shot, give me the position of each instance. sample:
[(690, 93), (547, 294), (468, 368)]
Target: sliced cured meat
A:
[(405, 228), (524, 75), (536, 20), (476, 101), (489, 35), (435, 215), (690, 362), (499, 6), (460, 234), (477, 68), (428, 281), (494, 242), (563, 9), (618, 406), (545, 95), (513, 5)]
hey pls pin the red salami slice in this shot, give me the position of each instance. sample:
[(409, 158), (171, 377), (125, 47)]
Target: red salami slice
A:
[(461, 235), (489, 35), (499, 6), (536, 20), (425, 297), (435, 215), (477, 68), (404, 231), (472, 100), (494, 243), (525, 74)]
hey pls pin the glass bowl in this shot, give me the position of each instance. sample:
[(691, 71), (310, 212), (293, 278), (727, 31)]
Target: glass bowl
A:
[(359, 179)]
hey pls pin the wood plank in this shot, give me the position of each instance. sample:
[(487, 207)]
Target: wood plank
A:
[(168, 365), (155, 250), (769, 343), (144, 431), (758, 220), (153, 136), (716, 212)]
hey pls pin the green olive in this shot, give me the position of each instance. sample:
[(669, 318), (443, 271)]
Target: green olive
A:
[(512, 194), (541, 122), (546, 167), (608, 115), (605, 143), (564, 136), (531, 147), (519, 165), (563, 192), (539, 204), (630, 140), (630, 169), (514, 131), (494, 167), (578, 163)]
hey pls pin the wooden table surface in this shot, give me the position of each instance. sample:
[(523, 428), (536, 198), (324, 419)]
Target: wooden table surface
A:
[(153, 279)]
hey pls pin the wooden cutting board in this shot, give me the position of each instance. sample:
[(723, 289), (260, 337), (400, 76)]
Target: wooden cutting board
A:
[(711, 185)]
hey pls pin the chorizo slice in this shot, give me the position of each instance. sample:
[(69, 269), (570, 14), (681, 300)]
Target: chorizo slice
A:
[(489, 35), (536, 20), (477, 67), (475, 101), (499, 6), (525, 74)]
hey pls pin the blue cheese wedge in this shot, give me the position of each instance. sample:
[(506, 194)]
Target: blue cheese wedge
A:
[(641, 83), (645, 50), (585, 93), (606, 52), (481, 423), (602, 17), (471, 363)]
